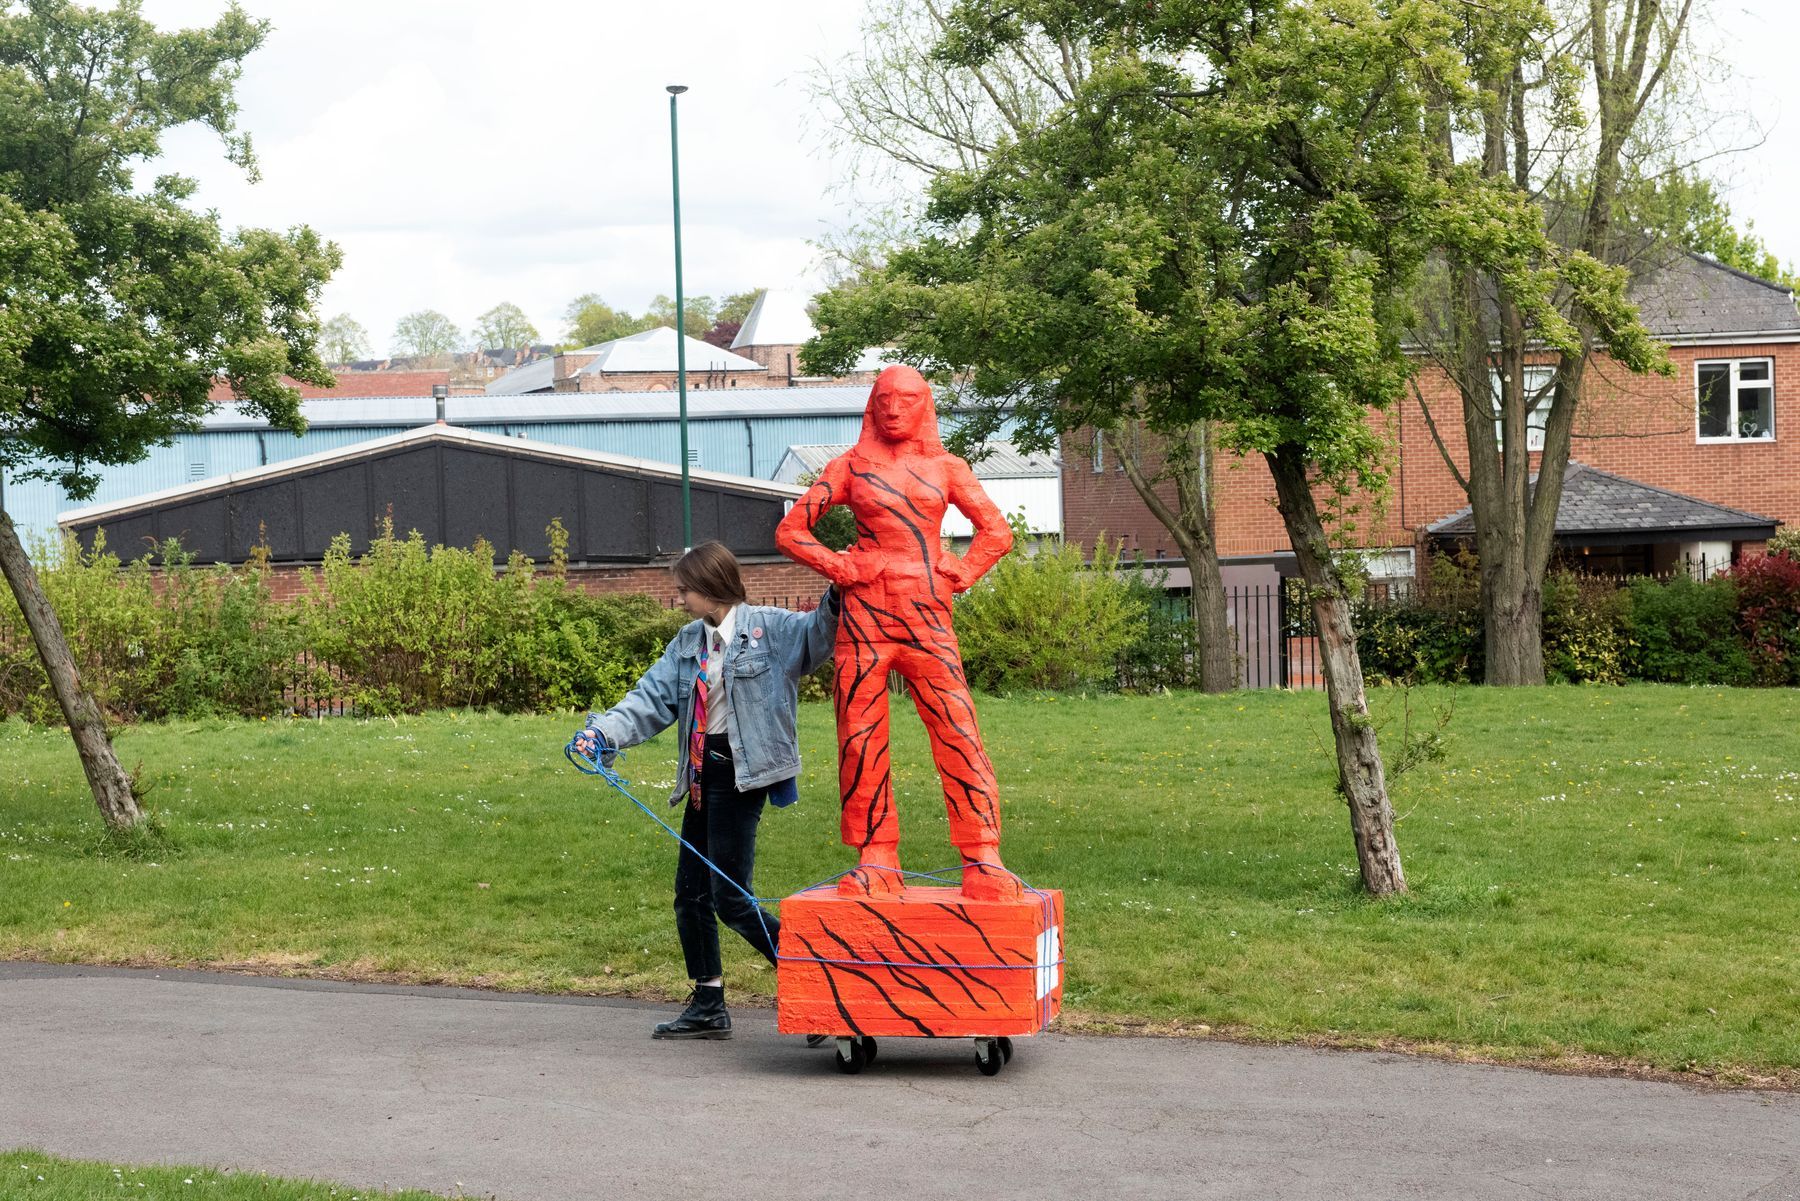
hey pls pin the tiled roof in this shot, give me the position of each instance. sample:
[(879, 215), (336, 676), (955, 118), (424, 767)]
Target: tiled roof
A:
[(1694, 296), (1598, 502)]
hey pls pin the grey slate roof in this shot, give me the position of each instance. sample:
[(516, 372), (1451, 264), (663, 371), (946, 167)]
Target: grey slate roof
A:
[(1596, 502), (1695, 296)]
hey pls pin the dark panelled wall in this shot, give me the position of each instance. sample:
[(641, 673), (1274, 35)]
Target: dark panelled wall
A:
[(452, 495)]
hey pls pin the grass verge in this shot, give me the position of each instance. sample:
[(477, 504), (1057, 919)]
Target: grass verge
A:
[(1596, 872), (34, 1176)]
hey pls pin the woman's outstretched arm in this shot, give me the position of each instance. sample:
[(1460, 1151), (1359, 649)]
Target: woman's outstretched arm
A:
[(794, 536)]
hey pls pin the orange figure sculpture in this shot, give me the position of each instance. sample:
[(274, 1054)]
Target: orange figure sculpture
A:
[(896, 583)]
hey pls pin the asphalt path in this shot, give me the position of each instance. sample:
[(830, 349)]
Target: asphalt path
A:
[(530, 1098)]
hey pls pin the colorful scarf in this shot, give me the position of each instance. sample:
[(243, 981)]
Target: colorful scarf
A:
[(697, 739)]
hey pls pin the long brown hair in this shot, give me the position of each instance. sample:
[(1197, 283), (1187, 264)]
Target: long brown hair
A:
[(711, 570)]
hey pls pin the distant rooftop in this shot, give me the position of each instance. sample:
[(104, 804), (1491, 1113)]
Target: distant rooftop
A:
[(653, 350), (1695, 296), (489, 409), (778, 318), (1598, 503)]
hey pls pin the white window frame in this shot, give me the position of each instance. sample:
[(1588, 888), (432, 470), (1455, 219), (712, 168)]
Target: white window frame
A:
[(1099, 451), (1538, 380), (1737, 385)]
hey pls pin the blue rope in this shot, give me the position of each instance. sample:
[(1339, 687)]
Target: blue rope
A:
[(597, 766)]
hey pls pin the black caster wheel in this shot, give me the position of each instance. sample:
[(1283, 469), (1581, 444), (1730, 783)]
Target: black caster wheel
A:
[(851, 1057), (1006, 1050), (870, 1048), (989, 1058)]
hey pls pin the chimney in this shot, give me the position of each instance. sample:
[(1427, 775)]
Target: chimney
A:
[(438, 393)]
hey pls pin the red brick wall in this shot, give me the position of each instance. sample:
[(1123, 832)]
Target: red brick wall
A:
[(1640, 427), (767, 581)]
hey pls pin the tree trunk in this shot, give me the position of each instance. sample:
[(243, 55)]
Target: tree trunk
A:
[(110, 785), (1361, 778), (1187, 463), (1214, 644)]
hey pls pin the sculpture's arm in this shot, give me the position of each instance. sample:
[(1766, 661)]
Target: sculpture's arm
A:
[(794, 535), (993, 536)]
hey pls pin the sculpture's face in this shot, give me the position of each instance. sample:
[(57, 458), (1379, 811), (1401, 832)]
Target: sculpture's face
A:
[(900, 406)]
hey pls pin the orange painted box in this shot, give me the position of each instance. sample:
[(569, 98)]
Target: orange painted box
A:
[(925, 962)]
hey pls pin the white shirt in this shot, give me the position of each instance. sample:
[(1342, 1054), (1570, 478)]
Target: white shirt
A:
[(718, 701)]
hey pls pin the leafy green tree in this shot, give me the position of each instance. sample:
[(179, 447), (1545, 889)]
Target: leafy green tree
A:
[(343, 339), (593, 321), (1684, 209), (120, 307), (905, 113), (426, 334), (737, 306), (1566, 92), (697, 314), (503, 327), (1222, 227)]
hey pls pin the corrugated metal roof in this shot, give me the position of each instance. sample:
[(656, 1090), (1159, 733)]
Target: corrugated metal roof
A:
[(429, 433), (1002, 460), (778, 318), (831, 400), (536, 376), (1598, 502)]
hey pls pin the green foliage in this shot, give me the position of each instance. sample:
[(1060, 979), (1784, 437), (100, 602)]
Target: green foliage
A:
[(177, 641), (409, 627), (1683, 631), (1420, 641), (1043, 618), (1162, 654), (1685, 209), (343, 339), (425, 333), (40, 1177), (122, 305), (505, 326), (402, 628), (1584, 637), (1786, 542)]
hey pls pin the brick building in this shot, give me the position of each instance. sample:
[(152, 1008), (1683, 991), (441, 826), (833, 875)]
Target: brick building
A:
[(1723, 431)]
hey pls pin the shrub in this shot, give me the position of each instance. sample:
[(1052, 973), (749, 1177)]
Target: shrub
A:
[(1415, 640), (1162, 653), (1682, 631), (1768, 616), (1584, 641), (1047, 620), (1786, 542)]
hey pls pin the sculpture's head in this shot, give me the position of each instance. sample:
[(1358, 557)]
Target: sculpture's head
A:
[(901, 410)]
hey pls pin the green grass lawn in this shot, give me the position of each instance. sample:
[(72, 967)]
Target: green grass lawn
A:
[(1595, 871), (34, 1176)]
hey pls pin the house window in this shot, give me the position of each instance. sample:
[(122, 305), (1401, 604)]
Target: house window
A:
[(1538, 394), (1735, 400), (1099, 451)]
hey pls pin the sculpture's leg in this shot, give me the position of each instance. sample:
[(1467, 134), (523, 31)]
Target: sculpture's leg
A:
[(865, 776), (971, 794)]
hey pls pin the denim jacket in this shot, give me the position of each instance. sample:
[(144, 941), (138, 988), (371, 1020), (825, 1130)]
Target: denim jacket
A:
[(762, 680)]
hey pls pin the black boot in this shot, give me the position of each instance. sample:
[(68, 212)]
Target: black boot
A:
[(704, 1017)]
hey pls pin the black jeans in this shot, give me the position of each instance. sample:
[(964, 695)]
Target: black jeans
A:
[(724, 830)]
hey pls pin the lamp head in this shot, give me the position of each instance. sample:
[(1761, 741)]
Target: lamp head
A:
[(676, 89)]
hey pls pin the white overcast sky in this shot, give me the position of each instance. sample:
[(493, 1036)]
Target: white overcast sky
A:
[(463, 152)]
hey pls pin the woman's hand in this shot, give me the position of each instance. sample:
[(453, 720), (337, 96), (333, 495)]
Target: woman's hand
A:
[(954, 572), (858, 566), (591, 745)]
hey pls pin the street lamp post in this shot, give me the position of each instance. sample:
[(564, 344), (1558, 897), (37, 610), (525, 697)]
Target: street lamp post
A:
[(687, 503)]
